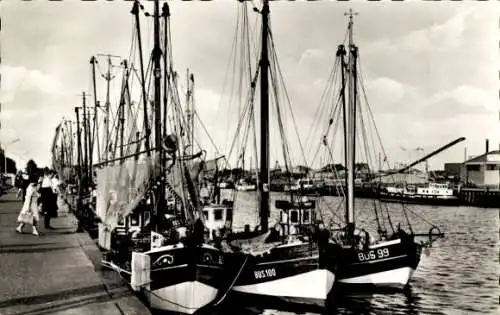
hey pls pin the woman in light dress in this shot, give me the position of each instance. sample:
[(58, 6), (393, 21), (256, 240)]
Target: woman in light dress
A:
[(29, 213)]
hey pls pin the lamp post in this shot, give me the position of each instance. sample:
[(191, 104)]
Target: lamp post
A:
[(5, 153)]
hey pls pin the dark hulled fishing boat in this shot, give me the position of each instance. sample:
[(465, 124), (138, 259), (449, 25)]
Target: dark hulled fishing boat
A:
[(148, 201), (390, 260), (293, 261)]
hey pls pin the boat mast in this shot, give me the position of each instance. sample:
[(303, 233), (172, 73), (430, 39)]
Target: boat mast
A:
[(157, 105), (89, 147), (95, 133), (264, 122), (191, 98), (341, 52), (108, 82), (166, 15), (351, 128), (135, 12), (78, 144), (122, 108), (71, 145), (85, 148), (190, 109)]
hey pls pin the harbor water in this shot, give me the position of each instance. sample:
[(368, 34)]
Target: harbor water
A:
[(458, 275)]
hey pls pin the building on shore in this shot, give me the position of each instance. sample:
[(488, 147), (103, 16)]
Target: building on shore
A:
[(483, 171), (453, 170), (412, 178)]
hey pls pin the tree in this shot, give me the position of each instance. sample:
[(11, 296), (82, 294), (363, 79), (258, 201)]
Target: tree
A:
[(11, 164), (32, 169), (362, 167), (331, 167), (303, 169)]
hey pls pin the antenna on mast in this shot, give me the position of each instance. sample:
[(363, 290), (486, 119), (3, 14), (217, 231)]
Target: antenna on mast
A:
[(351, 15)]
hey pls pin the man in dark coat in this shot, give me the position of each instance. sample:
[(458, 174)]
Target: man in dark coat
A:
[(48, 198)]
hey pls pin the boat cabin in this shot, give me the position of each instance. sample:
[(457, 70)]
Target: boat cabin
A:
[(218, 217), (295, 215), (435, 189), (135, 221), (246, 185), (305, 182), (301, 183)]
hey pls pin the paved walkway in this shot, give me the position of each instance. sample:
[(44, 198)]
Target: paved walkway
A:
[(57, 272)]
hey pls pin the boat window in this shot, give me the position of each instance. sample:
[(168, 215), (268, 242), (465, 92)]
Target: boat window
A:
[(229, 213), (205, 214), (121, 221), (294, 216), (306, 216), (134, 219), (218, 214), (473, 167)]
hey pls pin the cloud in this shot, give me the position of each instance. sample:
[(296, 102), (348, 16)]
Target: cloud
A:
[(311, 55), (29, 100), (429, 69), (20, 79), (459, 50), (441, 37), (385, 94), (471, 98)]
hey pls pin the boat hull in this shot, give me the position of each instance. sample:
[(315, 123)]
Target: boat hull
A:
[(177, 278), (387, 265), (421, 200), (298, 273), (184, 297)]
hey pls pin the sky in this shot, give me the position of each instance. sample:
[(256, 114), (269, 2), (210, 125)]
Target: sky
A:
[(431, 68)]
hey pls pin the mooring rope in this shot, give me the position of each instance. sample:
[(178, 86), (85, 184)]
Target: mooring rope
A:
[(233, 282)]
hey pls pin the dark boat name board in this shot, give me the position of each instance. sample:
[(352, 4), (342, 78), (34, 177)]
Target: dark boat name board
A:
[(264, 274)]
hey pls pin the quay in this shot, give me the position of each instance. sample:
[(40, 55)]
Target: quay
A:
[(470, 197), (480, 197), (57, 272)]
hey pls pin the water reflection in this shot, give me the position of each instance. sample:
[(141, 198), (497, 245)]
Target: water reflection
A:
[(341, 302), (375, 301)]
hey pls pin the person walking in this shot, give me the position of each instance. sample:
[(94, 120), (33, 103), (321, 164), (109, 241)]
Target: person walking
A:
[(31, 170), (56, 183), (18, 183), (25, 181), (47, 199), (29, 213)]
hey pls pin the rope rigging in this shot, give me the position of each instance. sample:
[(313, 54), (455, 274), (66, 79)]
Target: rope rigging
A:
[(331, 98)]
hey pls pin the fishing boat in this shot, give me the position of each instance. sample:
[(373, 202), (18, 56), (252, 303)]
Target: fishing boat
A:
[(428, 194), (304, 185), (152, 220), (294, 260), (390, 260), (245, 185)]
